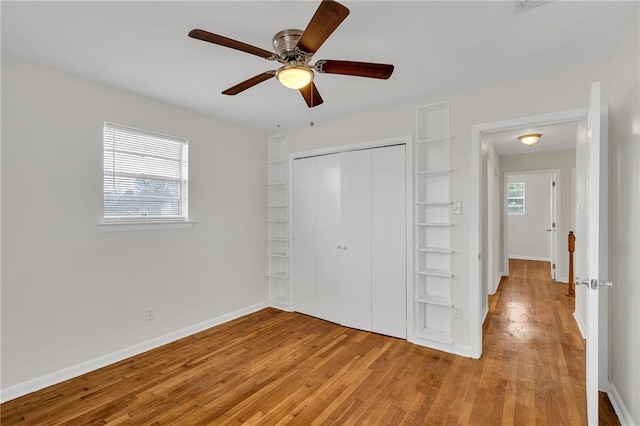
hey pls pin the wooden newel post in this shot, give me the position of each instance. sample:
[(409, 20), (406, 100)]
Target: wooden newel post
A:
[(572, 247)]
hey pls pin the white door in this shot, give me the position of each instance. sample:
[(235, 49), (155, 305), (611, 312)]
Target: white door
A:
[(328, 272), (388, 241), (552, 230), (303, 269), (591, 217), (355, 176)]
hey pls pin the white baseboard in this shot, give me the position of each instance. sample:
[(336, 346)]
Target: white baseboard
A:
[(497, 284), (618, 406), (522, 257), (581, 325), (280, 306), (451, 348), (563, 280), (485, 313), (41, 382)]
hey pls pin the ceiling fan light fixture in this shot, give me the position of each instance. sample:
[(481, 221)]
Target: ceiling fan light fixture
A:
[(530, 138), (294, 76)]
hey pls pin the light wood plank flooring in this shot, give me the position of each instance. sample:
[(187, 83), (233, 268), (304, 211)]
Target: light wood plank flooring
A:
[(275, 367)]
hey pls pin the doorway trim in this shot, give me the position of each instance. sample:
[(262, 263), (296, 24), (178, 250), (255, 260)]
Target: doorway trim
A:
[(477, 131)]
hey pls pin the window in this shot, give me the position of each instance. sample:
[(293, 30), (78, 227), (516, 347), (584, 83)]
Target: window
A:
[(145, 176), (515, 198)]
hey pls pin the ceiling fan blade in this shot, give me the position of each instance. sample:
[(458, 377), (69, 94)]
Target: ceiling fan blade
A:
[(327, 18), (233, 44), (358, 69), (247, 84), (311, 95)]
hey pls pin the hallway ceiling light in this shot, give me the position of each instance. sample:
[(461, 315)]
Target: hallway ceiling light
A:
[(530, 139)]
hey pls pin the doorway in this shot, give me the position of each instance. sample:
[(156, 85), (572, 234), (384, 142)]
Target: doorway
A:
[(479, 212), (532, 215)]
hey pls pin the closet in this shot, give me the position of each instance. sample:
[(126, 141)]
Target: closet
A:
[(349, 238)]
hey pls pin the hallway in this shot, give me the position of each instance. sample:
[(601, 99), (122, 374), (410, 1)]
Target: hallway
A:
[(532, 337)]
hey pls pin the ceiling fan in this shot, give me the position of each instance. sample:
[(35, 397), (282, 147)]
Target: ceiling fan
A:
[(294, 49)]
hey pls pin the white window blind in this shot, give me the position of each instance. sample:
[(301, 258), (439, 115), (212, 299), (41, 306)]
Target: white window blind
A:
[(145, 175)]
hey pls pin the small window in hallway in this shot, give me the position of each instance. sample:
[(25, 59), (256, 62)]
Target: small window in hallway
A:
[(515, 198)]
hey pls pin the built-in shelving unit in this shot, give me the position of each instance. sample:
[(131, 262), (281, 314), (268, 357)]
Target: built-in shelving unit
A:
[(277, 222), (433, 277)]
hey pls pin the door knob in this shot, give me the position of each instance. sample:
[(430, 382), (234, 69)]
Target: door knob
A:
[(594, 284)]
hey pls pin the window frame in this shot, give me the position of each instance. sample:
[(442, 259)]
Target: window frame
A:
[(181, 220), (523, 198)]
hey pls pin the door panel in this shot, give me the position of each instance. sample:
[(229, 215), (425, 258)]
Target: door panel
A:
[(328, 237), (553, 229), (591, 216), (356, 239), (304, 236), (388, 241)]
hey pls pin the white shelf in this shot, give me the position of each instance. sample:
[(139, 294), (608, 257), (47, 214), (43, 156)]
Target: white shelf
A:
[(421, 141), (279, 275), (435, 272), (282, 255), (434, 250), (434, 203), (435, 300), (433, 227), (433, 172), (277, 220), (435, 335)]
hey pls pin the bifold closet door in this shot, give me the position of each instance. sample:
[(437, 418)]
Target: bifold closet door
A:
[(304, 234), (316, 232), (355, 180), (349, 239), (388, 241), (328, 272)]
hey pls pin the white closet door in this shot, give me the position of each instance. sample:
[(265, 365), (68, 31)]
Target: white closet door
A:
[(356, 239), (304, 236), (328, 237), (388, 241)]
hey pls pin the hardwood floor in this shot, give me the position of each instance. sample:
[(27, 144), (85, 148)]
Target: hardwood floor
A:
[(274, 367)]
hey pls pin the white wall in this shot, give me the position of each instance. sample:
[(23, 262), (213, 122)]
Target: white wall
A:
[(71, 293), (492, 233), (624, 181), (564, 161), (527, 233)]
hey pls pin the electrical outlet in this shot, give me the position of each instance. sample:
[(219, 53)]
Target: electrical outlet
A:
[(457, 312), (456, 207), (148, 313)]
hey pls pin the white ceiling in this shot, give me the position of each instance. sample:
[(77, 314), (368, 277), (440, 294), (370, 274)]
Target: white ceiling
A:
[(555, 137), (436, 47)]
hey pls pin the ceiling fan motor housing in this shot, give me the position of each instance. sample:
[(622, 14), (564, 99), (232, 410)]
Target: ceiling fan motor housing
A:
[(285, 43)]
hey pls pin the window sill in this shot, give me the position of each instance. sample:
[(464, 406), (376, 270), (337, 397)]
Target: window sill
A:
[(143, 226), (516, 214)]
